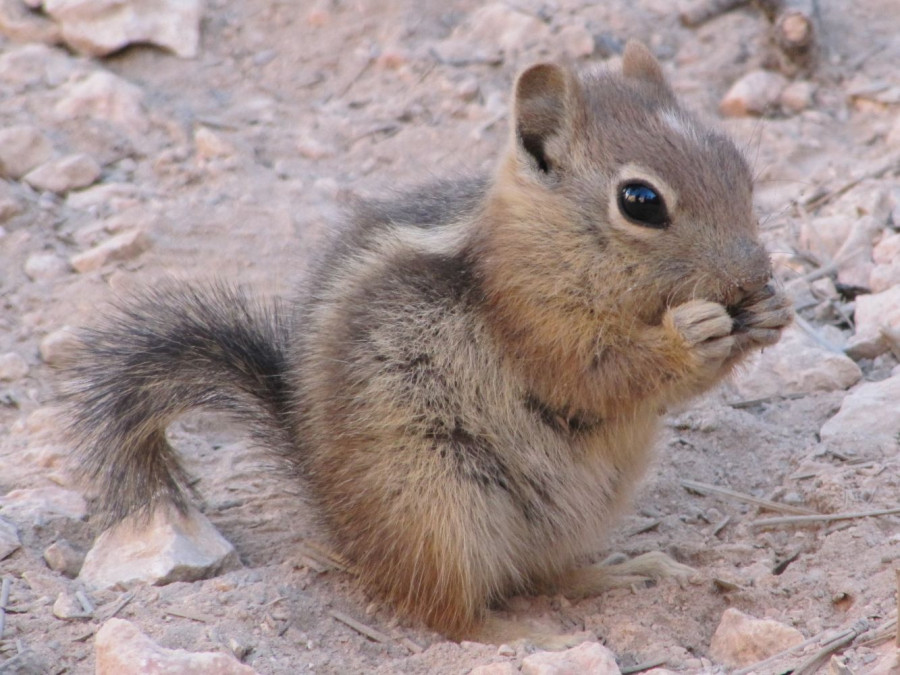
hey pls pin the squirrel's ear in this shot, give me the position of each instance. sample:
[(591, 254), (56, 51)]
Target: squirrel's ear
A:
[(543, 100), (638, 62)]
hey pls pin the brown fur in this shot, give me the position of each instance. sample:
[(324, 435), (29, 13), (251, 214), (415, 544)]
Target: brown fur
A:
[(471, 382)]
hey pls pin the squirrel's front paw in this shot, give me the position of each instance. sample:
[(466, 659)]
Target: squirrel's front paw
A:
[(759, 318), (705, 328)]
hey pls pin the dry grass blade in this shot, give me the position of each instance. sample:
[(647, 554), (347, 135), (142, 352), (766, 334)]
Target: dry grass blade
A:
[(749, 499), (410, 645), (753, 402), (822, 518), (193, 616), (109, 611), (361, 628), (820, 199), (816, 335), (889, 630), (641, 667), (701, 11)]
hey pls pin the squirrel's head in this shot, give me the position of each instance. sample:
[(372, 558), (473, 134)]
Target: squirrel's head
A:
[(610, 181)]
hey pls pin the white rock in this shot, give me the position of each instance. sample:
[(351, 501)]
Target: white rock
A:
[(68, 607), (33, 64), (22, 148), (61, 557), (210, 145), (313, 149), (868, 417), (100, 27), (741, 640), (887, 660), (798, 96), (493, 32), (121, 649), (849, 240), (45, 266), (866, 198), (12, 366), (56, 348), (755, 93), (502, 668), (106, 197), (886, 255), (108, 97), (18, 23), (37, 504), (875, 313), (123, 246), (47, 456), (64, 174), (9, 207), (45, 421), (9, 538), (887, 250), (170, 547), (883, 277), (795, 365), (824, 236), (576, 41), (588, 657)]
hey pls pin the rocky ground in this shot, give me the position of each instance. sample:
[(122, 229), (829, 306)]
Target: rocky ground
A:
[(231, 157)]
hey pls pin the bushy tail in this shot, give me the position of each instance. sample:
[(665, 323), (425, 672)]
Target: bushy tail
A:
[(160, 354)]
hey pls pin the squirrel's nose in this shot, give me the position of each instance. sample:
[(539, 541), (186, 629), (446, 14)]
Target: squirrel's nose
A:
[(748, 269)]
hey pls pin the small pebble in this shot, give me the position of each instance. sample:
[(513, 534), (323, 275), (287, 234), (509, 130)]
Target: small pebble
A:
[(43, 266), (61, 557), (756, 93), (68, 173), (124, 246), (57, 346), (12, 367)]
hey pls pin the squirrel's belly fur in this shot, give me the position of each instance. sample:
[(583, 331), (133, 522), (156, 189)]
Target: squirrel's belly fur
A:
[(469, 382), (466, 486)]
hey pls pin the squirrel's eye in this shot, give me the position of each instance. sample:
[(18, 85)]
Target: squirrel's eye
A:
[(642, 204)]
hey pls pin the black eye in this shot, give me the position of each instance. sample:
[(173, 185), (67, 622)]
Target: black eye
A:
[(642, 204)]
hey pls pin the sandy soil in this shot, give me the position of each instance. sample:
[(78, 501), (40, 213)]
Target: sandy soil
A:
[(309, 104)]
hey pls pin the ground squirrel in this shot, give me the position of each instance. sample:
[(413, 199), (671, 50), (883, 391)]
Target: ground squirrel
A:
[(469, 384)]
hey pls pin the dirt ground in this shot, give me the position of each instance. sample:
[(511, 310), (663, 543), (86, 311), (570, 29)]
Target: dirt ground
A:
[(247, 154)]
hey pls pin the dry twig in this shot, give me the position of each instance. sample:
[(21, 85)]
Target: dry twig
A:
[(361, 628), (193, 616), (819, 200), (822, 518), (701, 11), (740, 496), (811, 665), (110, 610)]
